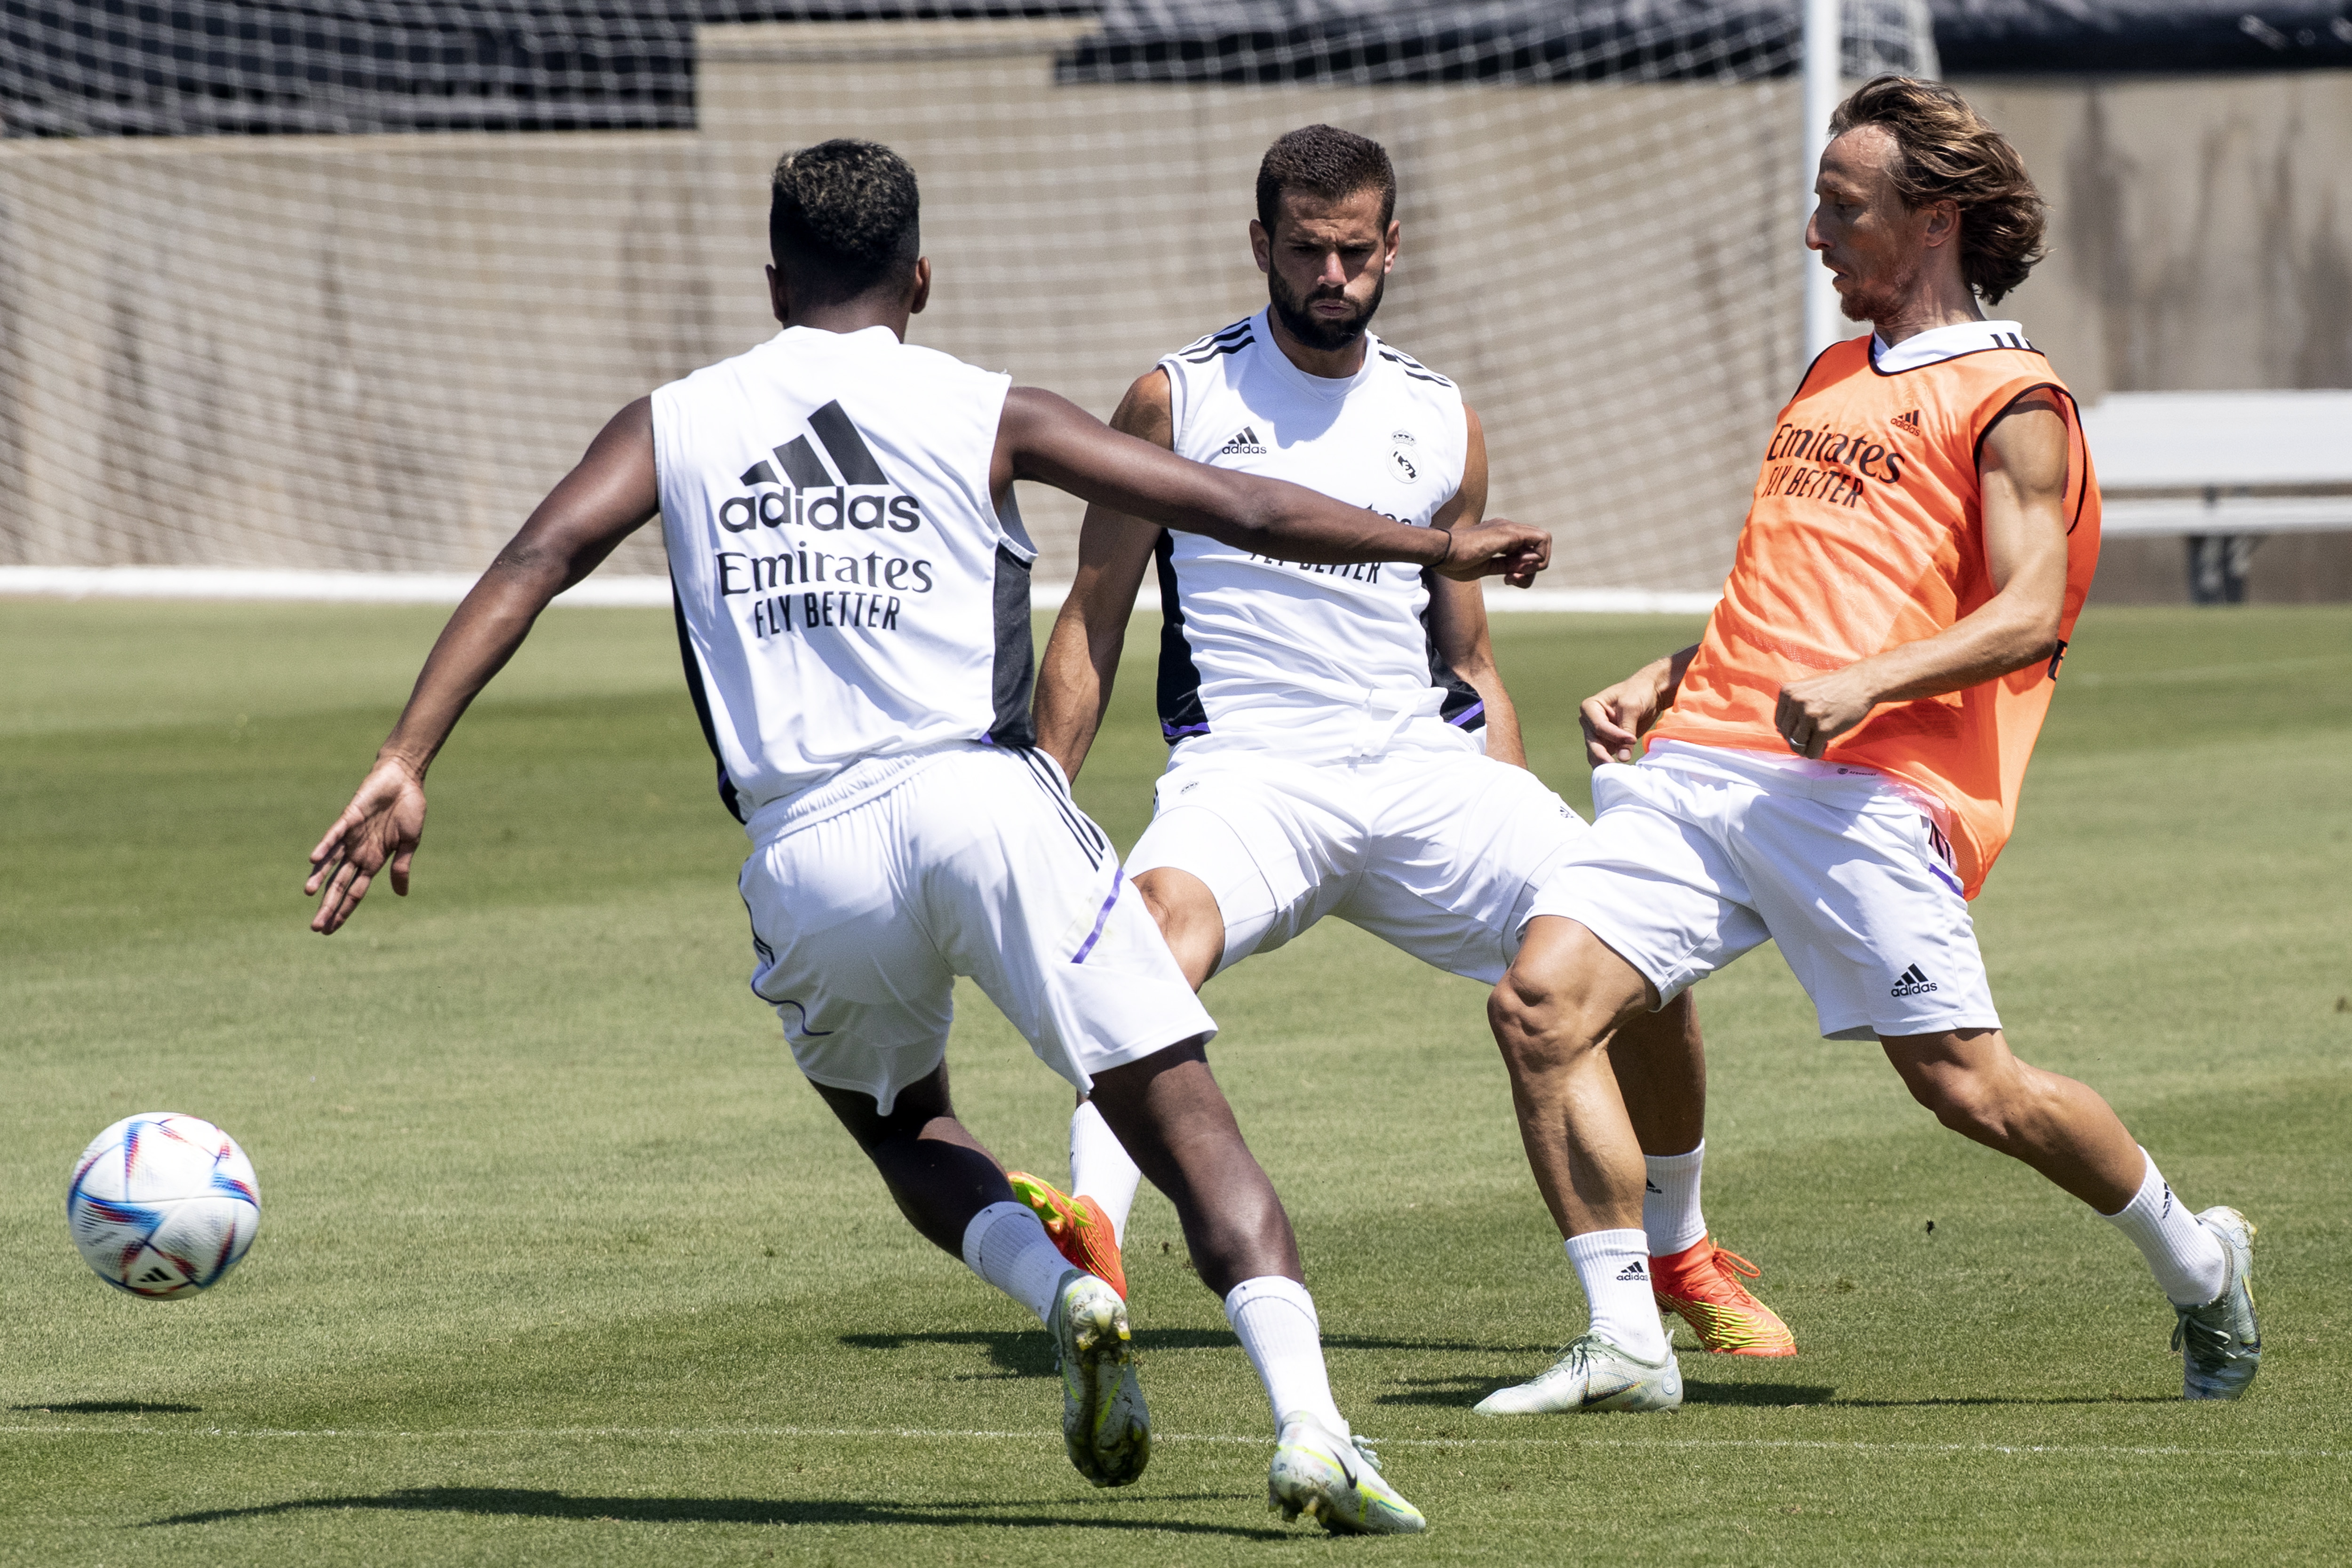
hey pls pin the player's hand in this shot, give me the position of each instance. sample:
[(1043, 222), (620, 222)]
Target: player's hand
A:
[(380, 825), (1614, 719), (1499, 548), (1812, 713)]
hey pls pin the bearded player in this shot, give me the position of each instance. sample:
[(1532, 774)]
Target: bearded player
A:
[(1341, 742), (852, 608), (1837, 765)]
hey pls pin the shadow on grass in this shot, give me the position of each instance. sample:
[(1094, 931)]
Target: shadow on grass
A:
[(513, 1503), (111, 1408), (1463, 1391), (1932, 1401), (1030, 1354)]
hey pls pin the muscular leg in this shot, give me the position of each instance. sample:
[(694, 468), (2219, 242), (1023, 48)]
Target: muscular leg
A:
[(1554, 1017), (2061, 1128), (1173, 1120), (1660, 1063), (937, 1172)]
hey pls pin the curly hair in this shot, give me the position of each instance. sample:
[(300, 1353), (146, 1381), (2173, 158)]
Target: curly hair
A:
[(1945, 151), (842, 219), (1326, 162)]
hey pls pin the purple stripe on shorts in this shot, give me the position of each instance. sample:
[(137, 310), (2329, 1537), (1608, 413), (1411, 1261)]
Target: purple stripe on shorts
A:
[(1101, 919), (1172, 731), (1468, 713), (1948, 878)]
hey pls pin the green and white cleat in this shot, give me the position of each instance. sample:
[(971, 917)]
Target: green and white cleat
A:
[(1336, 1481), (1105, 1425), (2221, 1344), (1593, 1374)]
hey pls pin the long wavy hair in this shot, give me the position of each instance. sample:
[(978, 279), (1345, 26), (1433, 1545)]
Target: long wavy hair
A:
[(1945, 151)]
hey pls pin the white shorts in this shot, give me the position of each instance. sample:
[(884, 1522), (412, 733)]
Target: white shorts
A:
[(1436, 852), (973, 861), (1685, 870)]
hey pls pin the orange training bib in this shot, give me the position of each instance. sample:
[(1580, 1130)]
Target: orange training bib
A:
[(1868, 531)]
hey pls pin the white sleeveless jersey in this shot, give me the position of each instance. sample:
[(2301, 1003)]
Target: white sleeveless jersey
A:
[(846, 587), (1248, 642)]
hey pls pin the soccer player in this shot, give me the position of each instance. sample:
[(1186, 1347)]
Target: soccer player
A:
[(1342, 743), (1837, 765), (853, 606)]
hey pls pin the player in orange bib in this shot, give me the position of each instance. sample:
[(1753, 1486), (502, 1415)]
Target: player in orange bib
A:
[(1836, 766)]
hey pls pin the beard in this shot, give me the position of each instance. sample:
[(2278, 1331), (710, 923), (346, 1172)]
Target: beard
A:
[(1315, 332)]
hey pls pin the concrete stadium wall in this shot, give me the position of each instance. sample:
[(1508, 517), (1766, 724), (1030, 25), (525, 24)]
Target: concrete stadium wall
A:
[(379, 351)]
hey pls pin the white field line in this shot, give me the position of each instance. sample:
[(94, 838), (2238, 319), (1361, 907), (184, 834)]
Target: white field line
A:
[(620, 591), (924, 1434)]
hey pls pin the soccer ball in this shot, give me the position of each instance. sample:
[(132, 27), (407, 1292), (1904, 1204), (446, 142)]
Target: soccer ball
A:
[(163, 1204)]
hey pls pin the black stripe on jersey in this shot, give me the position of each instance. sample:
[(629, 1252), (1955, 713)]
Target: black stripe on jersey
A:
[(1089, 836), (1213, 350), (850, 453), (1463, 707), (1413, 367), (1181, 713), (803, 466), (1016, 656), (727, 795)]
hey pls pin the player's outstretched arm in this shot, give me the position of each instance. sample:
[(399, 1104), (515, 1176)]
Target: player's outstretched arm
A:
[(2022, 471), (1074, 684), (596, 506), (1457, 611), (1048, 438), (1615, 719)]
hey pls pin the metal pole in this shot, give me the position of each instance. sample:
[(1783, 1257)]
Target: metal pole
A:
[(1824, 41)]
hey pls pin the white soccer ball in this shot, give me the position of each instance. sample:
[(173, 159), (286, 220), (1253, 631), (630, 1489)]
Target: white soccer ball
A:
[(163, 1204)]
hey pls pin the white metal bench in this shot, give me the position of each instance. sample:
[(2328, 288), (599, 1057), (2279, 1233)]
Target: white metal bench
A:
[(2222, 470)]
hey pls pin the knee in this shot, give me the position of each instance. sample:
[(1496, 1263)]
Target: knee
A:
[(1970, 1103), (1543, 1026)]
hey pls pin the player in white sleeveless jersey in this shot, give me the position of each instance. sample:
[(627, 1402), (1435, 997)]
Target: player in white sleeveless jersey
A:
[(852, 585), (1341, 742)]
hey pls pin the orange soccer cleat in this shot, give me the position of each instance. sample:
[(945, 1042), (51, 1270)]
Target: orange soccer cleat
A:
[(1701, 1283), (1078, 1227)]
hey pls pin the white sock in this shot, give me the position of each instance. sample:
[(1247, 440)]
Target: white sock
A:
[(1283, 1340), (2187, 1260), (1670, 1213), (1101, 1168), (1613, 1266), (1006, 1246)]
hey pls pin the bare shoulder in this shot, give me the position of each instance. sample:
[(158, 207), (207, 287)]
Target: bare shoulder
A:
[(1149, 409)]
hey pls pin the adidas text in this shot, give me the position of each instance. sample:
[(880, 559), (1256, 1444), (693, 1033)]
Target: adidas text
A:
[(1912, 982)]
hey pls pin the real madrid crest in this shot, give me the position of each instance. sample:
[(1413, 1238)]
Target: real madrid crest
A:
[(1402, 462)]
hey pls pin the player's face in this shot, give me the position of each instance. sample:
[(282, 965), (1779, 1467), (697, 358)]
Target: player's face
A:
[(1325, 264), (1875, 247)]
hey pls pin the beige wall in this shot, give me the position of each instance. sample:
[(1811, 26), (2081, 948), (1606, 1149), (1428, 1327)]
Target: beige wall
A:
[(380, 350)]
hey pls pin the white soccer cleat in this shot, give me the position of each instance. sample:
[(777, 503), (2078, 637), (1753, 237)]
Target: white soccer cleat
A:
[(1336, 1481), (1105, 1425), (1593, 1374)]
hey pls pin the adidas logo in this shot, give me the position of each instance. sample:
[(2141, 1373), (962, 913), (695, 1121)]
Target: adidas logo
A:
[(1244, 444), (1634, 1273), (1649, 1186), (1912, 419), (1912, 982), (811, 495)]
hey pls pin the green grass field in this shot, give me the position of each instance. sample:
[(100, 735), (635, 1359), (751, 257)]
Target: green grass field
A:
[(559, 1261)]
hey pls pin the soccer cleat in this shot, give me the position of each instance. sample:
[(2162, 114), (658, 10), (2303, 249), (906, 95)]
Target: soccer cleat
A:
[(1335, 1481), (1593, 1374), (2220, 1343), (1701, 1284), (1105, 1425), (1080, 1229)]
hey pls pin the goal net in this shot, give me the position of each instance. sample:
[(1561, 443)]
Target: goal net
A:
[(348, 284)]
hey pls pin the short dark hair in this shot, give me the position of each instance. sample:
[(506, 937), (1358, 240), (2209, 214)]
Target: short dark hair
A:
[(1326, 161), (842, 220), (1945, 151)]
